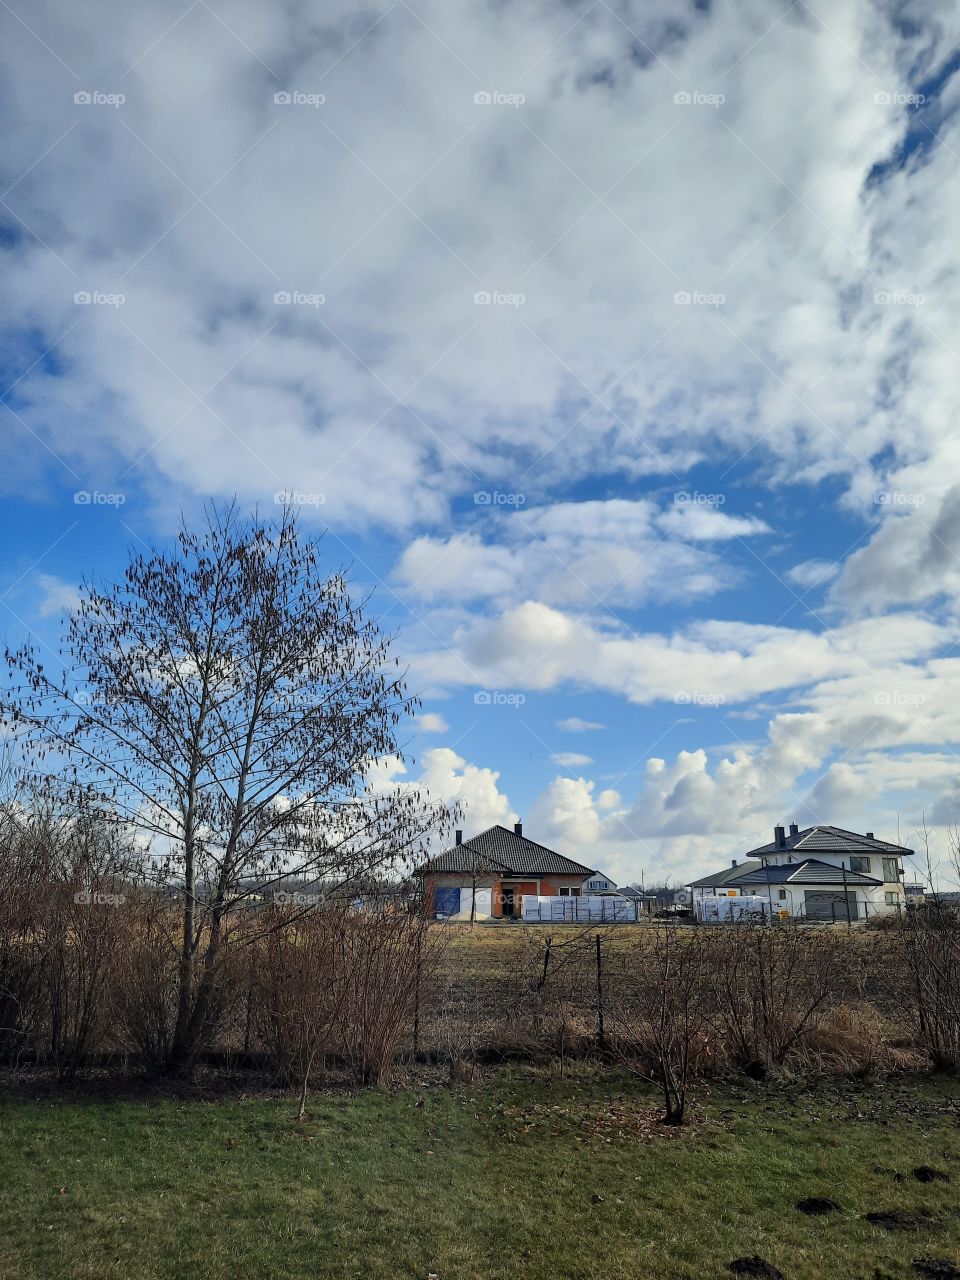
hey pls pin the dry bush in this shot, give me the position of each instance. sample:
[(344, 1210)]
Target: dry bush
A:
[(63, 881), (24, 880), (771, 987), (82, 924), (663, 1023), (551, 1005), (929, 944), (299, 990), (387, 961), (144, 979), (857, 1040)]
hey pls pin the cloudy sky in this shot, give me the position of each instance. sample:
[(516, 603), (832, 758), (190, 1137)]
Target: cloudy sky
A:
[(613, 343)]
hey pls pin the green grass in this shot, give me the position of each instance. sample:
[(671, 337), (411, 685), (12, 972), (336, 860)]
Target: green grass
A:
[(499, 1180)]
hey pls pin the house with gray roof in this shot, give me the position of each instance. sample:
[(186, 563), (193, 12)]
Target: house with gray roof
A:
[(486, 876), (818, 873)]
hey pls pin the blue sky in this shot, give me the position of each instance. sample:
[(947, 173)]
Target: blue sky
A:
[(612, 344)]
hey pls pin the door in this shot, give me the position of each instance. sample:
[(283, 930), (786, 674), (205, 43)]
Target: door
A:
[(828, 904), (508, 902)]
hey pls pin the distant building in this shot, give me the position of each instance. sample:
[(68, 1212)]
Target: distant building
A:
[(722, 882), (819, 873), (598, 883), (488, 875)]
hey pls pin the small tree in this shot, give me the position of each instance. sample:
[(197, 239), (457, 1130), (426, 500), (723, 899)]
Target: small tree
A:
[(664, 1017), (229, 698)]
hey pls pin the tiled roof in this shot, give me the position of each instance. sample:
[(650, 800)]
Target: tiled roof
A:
[(724, 876), (828, 840), (809, 871), (505, 853)]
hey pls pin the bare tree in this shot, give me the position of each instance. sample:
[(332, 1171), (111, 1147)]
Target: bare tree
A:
[(229, 698)]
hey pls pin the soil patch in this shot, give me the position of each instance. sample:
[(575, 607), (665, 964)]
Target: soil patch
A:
[(758, 1267), (816, 1205), (926, 1173), (936, 1268), (900, 1219)]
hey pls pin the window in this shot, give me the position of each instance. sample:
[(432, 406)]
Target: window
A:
[(891, 898), (891, 869), (860, 864), (782, 893), (565, 892)]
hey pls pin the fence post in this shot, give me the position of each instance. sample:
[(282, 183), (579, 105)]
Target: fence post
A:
[(546, 964), (846, 894), (601, 1037), (416, 1001)]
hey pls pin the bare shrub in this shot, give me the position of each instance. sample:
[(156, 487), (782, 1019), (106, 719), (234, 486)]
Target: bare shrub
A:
[(24, 880), (552, 1009), (771, 987), (144, 981), (384, 958), (929, 942), (299, 994), (63, 878), (663, 1029)]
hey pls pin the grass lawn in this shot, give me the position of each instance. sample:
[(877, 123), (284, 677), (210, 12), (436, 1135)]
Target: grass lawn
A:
[(520, 1176)]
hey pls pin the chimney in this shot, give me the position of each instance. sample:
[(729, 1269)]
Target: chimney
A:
[(459, 837), (733, 862), (869, 835), (778, 837), (518, 828), (794, 829)]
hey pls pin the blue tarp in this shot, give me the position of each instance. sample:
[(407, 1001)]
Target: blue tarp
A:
[(446, 902)]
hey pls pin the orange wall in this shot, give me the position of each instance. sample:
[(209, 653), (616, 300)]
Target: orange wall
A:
[(549, 887), (521, 887)]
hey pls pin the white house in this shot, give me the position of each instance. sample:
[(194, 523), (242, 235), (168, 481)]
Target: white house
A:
[(598, 883), (819, 873)]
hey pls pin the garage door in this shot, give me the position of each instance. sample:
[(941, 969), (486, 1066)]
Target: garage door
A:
[(827, 904)]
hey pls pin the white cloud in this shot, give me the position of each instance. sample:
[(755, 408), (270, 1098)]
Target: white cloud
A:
[(382, 399), (431, 722), (576, 553), (701, 522), (449, 777), (57, 596), (713, 662), (912, 558), (813, 573), (573, 724), (571, 759), (566, 815)]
